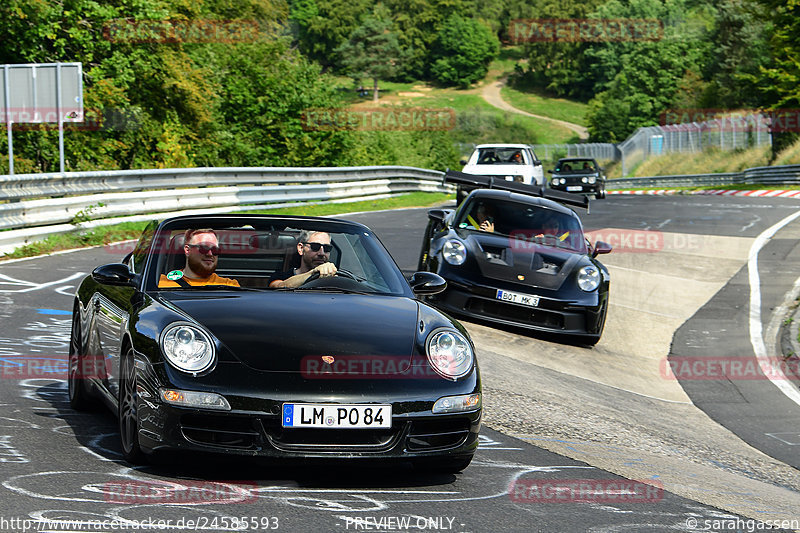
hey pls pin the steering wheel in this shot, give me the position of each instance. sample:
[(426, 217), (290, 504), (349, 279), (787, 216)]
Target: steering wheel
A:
[(341, 272)]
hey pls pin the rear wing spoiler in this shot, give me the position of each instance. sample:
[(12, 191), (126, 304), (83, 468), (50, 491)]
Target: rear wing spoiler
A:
[(493, 182)]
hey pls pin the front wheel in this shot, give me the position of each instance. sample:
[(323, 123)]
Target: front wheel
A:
[(76, 377), (128, 411), (601, 193)]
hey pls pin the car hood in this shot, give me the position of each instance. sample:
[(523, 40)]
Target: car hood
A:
[(519, 261), (281, 331)]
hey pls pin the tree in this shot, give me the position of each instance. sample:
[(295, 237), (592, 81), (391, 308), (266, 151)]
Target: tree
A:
[(463, 51), (323, 25), (779, 82), (372, 50), (740, 50)]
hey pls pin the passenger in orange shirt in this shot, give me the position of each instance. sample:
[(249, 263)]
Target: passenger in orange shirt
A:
[(201, 247)]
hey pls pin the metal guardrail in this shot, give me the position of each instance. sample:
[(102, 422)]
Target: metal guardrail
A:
[(41, 204), (37, 205), (777, 175)]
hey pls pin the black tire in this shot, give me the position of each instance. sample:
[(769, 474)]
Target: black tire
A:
[(79, 398), (128, 411), (594, 339), (449, 465), (601, 193)]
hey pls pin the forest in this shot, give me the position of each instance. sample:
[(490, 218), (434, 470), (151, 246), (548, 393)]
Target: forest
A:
[(189, 83)]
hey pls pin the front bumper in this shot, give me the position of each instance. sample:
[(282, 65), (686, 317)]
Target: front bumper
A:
[(253, 426), (551, 315), (579, 188)]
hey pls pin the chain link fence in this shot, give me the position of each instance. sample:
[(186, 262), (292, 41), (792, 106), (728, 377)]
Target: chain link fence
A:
[(725, 133)]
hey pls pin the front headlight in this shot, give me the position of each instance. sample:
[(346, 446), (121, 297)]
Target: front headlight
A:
[(592, 179), (454, 252), (584, 179), (187, 348), (588, 278), (449, 353)]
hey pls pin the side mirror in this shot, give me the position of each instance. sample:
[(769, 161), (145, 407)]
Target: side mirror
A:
[(113, 274), (601, 247), (426, 283), (437, 215), (551, 171), (463, 161), (537, 163)]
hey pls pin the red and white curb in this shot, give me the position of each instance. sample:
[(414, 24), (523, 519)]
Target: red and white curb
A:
[(767, 193)]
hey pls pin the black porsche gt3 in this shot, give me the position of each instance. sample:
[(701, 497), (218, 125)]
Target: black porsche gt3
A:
[(352, 366), (514, 254)]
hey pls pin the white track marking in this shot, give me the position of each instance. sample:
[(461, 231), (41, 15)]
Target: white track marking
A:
[(756, 329)]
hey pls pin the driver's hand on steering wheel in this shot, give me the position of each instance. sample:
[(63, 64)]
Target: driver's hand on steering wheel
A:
[(325, 270)]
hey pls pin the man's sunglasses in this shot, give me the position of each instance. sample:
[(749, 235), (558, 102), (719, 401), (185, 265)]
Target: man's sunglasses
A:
[(315, 246), (204, 248)]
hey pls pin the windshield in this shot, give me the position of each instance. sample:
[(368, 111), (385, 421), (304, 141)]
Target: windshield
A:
[(576, 165), (519, 221), (243, 255), (500, 156)]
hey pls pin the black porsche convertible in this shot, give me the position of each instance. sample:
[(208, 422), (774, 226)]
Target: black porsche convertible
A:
[(348, 366), (515, 254)]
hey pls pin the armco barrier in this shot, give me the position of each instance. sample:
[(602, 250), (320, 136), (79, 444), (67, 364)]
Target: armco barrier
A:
[(37, 205), (778, 175)]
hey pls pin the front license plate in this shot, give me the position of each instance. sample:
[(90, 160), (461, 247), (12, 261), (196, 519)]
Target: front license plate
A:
[(517, 298), (313, 415), (573, 188)]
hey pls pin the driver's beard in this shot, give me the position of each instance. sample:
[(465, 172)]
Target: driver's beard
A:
[(199, 268), (307, 261)]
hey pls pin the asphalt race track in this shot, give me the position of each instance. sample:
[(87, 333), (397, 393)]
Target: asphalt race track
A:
[(648, 451)]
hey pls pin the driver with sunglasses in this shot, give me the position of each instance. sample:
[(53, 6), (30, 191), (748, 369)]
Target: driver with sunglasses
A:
[(314, 248), (201, 247)]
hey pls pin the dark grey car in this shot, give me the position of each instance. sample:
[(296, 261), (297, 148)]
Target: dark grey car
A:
[(579, 175)]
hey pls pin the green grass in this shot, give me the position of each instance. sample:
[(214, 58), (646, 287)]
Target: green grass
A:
[(131, 230), (497, 125), (558, 108)]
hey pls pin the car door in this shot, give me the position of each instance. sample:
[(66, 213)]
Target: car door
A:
[(113, 307), (537, 173), (111, 320)]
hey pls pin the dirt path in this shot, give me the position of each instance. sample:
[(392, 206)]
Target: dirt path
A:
[(491, 93)]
